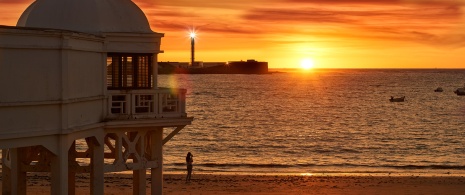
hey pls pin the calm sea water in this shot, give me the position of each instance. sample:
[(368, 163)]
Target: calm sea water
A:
[(325, 121), (321, 122)]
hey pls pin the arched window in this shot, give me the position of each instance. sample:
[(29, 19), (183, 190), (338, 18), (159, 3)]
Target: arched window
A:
[(129, 71)]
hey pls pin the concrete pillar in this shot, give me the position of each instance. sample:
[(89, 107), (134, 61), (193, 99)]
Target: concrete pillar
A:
[(17, 178), (139, 181), (6, 174), (96, 147), (72, 171), (139, 176), (156, 143), (59, 166)]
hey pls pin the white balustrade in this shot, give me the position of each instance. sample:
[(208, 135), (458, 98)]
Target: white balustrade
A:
[(157, 103)]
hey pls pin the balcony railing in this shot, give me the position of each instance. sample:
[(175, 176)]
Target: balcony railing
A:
[(156, 103)]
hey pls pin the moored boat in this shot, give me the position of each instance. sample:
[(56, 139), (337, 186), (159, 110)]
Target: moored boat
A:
[(460, 91), (399, 99)]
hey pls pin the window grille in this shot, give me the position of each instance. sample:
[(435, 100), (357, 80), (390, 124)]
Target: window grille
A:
[(129, 71)]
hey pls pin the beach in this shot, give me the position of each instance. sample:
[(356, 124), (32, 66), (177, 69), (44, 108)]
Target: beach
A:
[(214, 184)]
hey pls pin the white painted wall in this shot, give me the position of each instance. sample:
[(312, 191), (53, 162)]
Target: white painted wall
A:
[(54, 82), (50, 81)]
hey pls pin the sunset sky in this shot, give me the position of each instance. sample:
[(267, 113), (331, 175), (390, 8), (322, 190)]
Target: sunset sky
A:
[(332, 33)]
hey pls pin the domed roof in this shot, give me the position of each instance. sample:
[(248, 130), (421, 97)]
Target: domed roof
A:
[(90, 16)]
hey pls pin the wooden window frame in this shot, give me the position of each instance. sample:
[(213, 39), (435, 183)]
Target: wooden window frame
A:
[(129, 71)]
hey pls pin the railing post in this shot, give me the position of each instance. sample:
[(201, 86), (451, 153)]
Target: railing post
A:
[(109, 104), (132, 102), (182, 100), (129, 103), (160, 103), (155, 103)]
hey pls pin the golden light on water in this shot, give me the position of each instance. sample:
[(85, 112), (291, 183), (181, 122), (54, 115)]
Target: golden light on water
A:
[(307, 63)]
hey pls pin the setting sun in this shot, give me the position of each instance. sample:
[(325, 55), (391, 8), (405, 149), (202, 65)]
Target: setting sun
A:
[(307, 63)]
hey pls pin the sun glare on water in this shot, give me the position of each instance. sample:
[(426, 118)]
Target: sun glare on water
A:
[(307, 64)]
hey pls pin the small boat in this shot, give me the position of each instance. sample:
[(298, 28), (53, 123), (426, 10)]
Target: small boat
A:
[(439, 89), (460, 91), (400, 99)]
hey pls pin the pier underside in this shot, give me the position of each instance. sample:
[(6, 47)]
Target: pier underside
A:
[(132, 147)]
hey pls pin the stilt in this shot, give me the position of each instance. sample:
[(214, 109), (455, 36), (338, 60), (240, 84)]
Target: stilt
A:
[(139, 181), (6, 184), (96, 165), (139, 174), (156, 144), (6, 173), (72, 169), (59, 166), (17, 177)]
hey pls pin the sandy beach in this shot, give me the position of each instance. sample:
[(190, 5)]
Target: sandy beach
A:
[(207, 184)]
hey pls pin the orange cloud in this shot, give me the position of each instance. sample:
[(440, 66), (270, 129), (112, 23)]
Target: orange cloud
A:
[(281, 29), (381, 2), (11, 10), (426, 24)]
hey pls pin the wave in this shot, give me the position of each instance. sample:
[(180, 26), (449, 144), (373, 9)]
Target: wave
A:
[(430, 167), (344, 165)]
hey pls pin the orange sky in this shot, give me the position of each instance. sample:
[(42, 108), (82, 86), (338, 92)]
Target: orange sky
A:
[(334, 33)]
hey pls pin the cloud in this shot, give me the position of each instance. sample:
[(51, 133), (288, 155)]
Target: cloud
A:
[(204, 3), (426, 24), (381, 2), (310, 15), (165, 13), (421, 21), (446, 40), (16, 1), (11, 10), (214, 28), (357, 16)]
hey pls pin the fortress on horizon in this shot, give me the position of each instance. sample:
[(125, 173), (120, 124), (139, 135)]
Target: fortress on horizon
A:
[(232, 67)]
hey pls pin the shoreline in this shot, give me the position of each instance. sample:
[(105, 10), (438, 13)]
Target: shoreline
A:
[(333, 174), (213, 184), (442, 173)]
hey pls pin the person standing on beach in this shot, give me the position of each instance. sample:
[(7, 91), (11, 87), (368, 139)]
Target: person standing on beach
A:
[(189, 161)]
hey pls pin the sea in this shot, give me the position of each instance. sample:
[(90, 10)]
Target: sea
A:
[(331, 121), (321, 122)]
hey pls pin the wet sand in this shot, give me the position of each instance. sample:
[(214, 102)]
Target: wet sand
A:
[(214, 184)]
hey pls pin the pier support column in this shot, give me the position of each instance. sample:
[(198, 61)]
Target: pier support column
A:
[(96, 165), (15, 179), (139, 181), (156, 144), (72, 170), (6, 174), (59, 166), (139, 174)]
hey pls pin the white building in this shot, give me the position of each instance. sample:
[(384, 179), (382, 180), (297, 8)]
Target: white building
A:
[(83, 71)]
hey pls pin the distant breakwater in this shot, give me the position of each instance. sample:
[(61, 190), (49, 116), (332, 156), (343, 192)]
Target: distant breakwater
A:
[(238, 67)]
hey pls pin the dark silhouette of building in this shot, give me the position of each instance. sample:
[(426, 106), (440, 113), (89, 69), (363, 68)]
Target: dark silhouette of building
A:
[(232, 67), (248, 67)]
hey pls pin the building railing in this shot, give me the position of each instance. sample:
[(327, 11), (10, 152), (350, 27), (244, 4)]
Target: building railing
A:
[(156, 103)]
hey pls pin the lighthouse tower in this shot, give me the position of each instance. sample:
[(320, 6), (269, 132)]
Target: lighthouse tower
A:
[(79, 94)]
